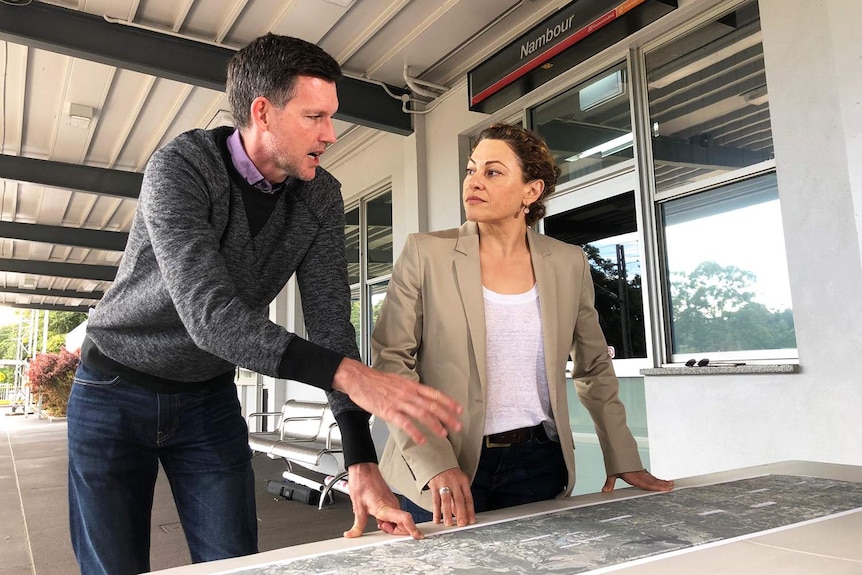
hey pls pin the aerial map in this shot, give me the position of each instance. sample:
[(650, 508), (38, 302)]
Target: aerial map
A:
[(582, 539)]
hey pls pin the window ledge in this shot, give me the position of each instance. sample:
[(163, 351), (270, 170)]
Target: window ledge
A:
[(738, 370)]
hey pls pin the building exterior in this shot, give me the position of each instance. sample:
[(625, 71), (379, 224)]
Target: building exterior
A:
[(712, 159)]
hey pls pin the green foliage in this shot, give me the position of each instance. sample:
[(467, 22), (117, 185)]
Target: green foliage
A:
[(619, 302), (8, 341), (51, 376), (56, 342), (714, 310), (60, 323)]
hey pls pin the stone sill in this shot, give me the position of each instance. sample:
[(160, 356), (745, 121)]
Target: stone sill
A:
[(738, 370)]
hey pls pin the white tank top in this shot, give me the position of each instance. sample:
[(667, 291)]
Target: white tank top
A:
[(517, 381)]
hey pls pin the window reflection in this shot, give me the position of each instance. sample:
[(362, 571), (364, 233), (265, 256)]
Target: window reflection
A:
[(368, 225), (607, 231), (356, 315), (588, 128), (379, 235), (708, 102), (351, 245), (727, 270), (376, 295)]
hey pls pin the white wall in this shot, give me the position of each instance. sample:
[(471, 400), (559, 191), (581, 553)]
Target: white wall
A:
[(698, 425), (449, 119), (375, 159)]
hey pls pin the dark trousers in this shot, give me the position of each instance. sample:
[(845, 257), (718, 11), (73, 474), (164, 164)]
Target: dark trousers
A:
[(118, 434), (508, 476)]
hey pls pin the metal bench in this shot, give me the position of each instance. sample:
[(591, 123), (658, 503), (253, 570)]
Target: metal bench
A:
[(304, 433)]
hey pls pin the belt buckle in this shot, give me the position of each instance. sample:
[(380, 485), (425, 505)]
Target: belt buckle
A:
[(489, 443)]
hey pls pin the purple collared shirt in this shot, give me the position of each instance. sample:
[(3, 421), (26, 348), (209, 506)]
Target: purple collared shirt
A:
[(245, 166)]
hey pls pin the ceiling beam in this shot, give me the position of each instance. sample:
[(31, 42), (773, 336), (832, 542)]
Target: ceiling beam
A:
[(54, 292), (44, 306), (82, 35), (63, 235), (117, 183), (59, 269)]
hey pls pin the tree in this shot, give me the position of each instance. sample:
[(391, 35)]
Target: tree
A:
[(60, 323), (51, 376), (8, 341), (714, 310), (619, 302)]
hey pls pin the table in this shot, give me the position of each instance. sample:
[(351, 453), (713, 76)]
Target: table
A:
[(791, 518)]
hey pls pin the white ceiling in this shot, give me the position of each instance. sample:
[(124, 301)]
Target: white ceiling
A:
[(133, 114)]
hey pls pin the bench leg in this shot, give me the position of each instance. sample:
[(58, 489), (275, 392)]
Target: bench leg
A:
[(327, 488)]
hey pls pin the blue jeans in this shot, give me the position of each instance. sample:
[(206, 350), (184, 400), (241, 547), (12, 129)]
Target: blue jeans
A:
[(118, 434), (507, 476)]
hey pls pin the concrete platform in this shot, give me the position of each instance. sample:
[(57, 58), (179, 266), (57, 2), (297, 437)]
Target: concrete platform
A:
[(34, 531)]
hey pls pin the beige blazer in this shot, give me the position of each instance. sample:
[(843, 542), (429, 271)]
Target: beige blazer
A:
[(431, 328)]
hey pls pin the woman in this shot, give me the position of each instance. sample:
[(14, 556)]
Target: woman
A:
[(488, 314)]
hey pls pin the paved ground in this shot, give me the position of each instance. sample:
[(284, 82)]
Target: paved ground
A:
[(34, 532)]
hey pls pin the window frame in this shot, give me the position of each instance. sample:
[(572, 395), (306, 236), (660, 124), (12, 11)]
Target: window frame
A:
[(365, 285)]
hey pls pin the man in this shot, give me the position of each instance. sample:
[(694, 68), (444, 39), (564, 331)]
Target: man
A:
[(225, 218)]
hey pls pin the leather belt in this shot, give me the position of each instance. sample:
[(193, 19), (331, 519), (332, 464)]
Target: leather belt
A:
[(515, 436)]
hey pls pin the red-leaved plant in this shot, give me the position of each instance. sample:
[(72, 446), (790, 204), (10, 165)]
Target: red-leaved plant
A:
[(51, 375)]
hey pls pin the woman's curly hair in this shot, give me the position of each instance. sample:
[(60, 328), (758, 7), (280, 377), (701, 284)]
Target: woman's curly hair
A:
[(535, 158)]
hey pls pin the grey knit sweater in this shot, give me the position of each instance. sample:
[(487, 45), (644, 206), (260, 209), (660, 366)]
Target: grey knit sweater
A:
[(191, 296)]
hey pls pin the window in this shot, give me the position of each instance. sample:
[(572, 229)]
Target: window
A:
[(725, 275), (607, 232), (727, 271), (708, 101), (588, 128), (368, 245)]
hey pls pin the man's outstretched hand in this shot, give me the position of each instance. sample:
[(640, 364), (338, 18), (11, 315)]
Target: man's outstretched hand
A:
[(371, 496), (641, 479), (398, 400)]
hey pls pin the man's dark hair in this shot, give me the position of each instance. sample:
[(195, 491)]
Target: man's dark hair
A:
[(268, 67)]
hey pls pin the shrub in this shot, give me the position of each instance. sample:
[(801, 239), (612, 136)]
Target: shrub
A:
[(51, 376)]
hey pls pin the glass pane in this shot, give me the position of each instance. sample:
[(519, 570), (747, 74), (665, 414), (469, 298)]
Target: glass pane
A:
[(607, 231), (588, 454), (729, 288), (379, 247), (351, 245), (376, 295), (708, 102), (588, 127), (356, 315)]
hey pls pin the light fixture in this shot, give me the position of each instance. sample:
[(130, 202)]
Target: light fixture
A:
[(757, 96), (79, 115), (602, 91), (606, 149), (27, 282)]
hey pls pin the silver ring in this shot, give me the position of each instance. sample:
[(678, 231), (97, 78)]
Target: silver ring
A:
[(445, 491)]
